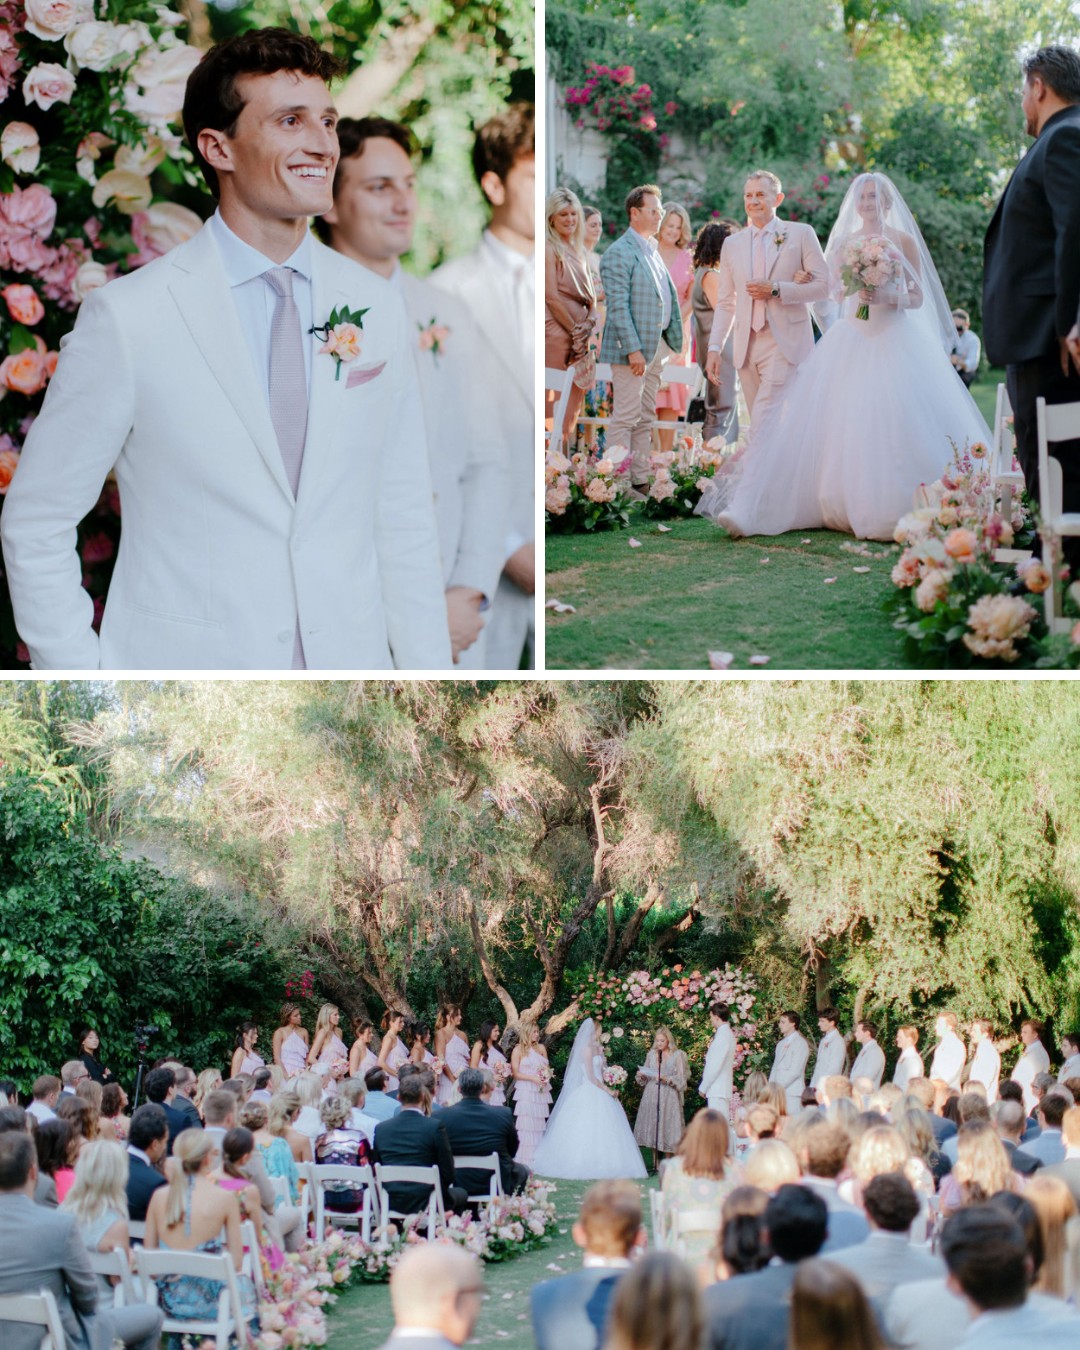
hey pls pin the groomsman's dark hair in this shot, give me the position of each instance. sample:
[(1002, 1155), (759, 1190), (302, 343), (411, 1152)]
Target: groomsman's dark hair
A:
[(986, 1253), (502, 141), (353, 134), (1059, 70), (792, 1017), (830, 1014), (720, 1010), (1073, 1037), (636, 196), (870, 1027), (212, 99)]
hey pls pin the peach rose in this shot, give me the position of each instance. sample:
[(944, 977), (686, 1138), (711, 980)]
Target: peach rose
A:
[(90, 276), (52, 19), (344, 342), (933, 587), (24, 304), (1034, 575), (907, 570), (961, 545), (9, 460), (20, 147), (47, 84), (25, 373)]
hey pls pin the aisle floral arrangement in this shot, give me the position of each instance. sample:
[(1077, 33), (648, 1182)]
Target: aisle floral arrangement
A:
[(88, 150), (678, 477), (957, 602), (583, 493)]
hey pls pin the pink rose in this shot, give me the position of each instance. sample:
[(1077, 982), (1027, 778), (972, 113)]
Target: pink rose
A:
[(47, 84), (52, 19), (24, 304)]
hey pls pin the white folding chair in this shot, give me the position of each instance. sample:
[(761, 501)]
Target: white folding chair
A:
[(1055, 422), (487, 1163), (603, 376), (689, 378), (561, 383), (685, 1222), (423, 1176), (39, 1310), (328, 1176), (230, 1317), (136, 1231), (116, 1265), (1004, 476), (280, 1186), (658, 1214)]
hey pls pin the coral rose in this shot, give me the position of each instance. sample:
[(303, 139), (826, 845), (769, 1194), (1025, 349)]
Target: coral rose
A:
[(20, 147), (1034, 575), (9, 460), (961, 545), (25, 373), (343, 342), (47, 84), (24, 304)]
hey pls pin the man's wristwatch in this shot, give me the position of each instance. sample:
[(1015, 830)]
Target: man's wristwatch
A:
[(775, 289)]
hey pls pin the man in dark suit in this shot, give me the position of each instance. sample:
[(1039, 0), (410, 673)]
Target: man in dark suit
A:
[(181, 1102), (478, 1128), (161, 1089), (569, 1313), (751, 1312), (1031, 285), (413, 1139), (148, 1142)]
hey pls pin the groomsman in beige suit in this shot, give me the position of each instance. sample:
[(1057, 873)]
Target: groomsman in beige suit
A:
[(372, 222), (789, 1062), (760, 296)]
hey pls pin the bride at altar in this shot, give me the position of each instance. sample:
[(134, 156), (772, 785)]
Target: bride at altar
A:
[(869, 415), (588, 1136)]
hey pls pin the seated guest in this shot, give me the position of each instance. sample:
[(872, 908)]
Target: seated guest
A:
[(1056, 1212), (81, 1115), (182, 1101), (236, 1150), (1009, 1121), (971, 1106), (261, 1091), (274, 1149), (750, 1312), (1069, 1169), (45, 1092), (161, 1089), (412, 1138), (743, 1246), (569, 1313), (701, 1174), (354, 1092), (436, 1291), (148, 1142), (476, 1128), (1049, 1147), (284, 1110), (41, 1249), (208, 1081), (284, 1223), (379, 1103), (114, 1122), (888, 1258), (13, 1119), (309, 1088), (72, 1073), (982, 1168), (656, 1303), (770, 1165), (240, 1086), (822, 1150), (341, 1145), (57, 1145), (829, 1308), (925, 1094)]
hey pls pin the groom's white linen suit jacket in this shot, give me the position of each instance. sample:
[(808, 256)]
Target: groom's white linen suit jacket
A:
[(217, 561), (716, 1078), (787, 316)]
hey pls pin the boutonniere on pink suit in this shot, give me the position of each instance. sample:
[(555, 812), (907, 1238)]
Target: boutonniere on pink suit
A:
[(341, 336), (780, 238)]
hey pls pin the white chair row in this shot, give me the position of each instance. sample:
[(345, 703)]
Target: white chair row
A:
[(561, 382), (1055, 422), (38, 1310)]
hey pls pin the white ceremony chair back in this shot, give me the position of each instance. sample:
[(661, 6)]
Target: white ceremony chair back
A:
[(38, 1310), (603, 376), (1055, 422), (691, 379), (561, 383), (488, 1163), (687, 1221), (281, 1189), (658, 1214), (1001, 452), (205, 1266), (137, 1231), (424, 1176), (329, 1174), (116, 1265)]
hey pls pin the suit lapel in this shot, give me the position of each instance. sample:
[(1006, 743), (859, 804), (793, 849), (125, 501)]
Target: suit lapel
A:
[(202, 296), (497, 321), (773, 250)]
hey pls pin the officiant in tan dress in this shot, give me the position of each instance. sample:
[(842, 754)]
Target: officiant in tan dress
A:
[(569, 298), (660, 1120)]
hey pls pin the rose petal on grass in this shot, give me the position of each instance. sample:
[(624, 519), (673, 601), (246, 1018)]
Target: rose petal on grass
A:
[(764, 560), (720, 660), (860, 569), (634, 543), (805, 541), (559, 607), (760, 660), (829, 581), (664, 529)]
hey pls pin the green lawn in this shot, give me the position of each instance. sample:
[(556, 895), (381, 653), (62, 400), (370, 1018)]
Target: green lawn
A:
[(682, 594), (362, 1318)]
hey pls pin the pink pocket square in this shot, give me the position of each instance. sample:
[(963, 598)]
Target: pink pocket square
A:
[(364, 373)]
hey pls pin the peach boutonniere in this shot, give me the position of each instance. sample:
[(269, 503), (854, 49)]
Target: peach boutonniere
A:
[(433, 337), (341, 336), (780, 238)]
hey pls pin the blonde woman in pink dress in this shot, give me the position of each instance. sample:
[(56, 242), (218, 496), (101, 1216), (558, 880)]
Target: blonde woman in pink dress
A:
[(329, 1055), (290, 1043), (487, 1055), (244, 1059), (532, 1091), (674, 242), (452, 1048), (362, 1059), (392, 1051)]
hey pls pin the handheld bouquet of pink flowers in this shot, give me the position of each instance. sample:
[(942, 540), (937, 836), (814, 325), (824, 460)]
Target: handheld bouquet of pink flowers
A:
[(868, 264)]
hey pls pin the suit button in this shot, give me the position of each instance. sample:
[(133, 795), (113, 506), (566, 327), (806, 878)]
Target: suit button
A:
[(285, 635)]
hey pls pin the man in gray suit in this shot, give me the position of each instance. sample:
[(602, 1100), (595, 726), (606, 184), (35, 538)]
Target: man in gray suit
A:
[(643, 327), (40, 1249), (887, 1258), (1069, 1169), (436, 1291)]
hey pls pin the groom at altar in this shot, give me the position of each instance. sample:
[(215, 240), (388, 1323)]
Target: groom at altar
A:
[(256, 396), (759, 295)]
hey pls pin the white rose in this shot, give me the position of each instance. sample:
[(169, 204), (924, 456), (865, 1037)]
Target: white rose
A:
[(47, 84), (88, 278), (93, 46), (129, 192), (167, 224), (140, 159), (132, 38), (51, 19), (161, 76), (20, 148)]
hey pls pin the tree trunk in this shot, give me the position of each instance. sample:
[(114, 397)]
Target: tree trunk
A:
[(509, 1007), (370, 85)]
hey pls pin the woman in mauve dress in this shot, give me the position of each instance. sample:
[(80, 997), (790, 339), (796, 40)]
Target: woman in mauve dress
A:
[(532, 1091)]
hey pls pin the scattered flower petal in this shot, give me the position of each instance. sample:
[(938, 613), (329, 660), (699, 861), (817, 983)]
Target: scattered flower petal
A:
[(804, 541), (560, 608), (760, 660), (634, 543), (764, 560), (720, 660), (829, 581), (860, 569), (664, 529)]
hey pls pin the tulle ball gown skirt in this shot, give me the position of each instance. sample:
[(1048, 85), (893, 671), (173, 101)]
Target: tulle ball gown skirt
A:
[(589, 1138), (863, 421)]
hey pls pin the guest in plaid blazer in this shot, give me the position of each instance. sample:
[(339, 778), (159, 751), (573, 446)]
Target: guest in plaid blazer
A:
[(644, 326)]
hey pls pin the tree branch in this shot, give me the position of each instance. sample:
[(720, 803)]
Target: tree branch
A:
[(500, 991)]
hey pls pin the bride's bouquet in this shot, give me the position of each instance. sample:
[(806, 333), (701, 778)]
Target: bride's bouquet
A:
[(614, 1076), (867, 264)]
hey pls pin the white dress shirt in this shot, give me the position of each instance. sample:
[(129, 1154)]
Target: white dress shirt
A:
[(968, 347), (948, 1061), (908, 1066), (41, 1112), (660, 274), (1070, 1069), (831, 1053), (1033, 1061), (256, 300), (760, 246), (986, 1069)]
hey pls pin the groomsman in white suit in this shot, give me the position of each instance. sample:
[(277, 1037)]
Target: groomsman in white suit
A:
[(870, 1061), (497, 284), (276, 499), (910, 1064), (831, 1051), (949, 1053), (374, 215), (1070, 1050), (986, 1062), (1034, 1060), (789, 1062), (716, 1080), (759, 296)]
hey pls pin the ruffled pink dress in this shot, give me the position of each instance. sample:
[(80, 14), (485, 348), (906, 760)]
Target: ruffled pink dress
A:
[(294, 1052), (333, 1051), (395, 1059), (532, 1106), (251, 1062), (457, 1058), (495, 1057)]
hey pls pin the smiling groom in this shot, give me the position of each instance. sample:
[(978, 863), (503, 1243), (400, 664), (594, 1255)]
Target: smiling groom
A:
[(277, 507)]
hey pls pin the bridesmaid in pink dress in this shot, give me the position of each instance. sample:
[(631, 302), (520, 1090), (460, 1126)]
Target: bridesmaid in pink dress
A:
[(487, 1055), (453, 1049), (244, 1059), (362, 1059), (532, 1095), (673, 244), (290, 1043), (329, 1055), (392, 1051)]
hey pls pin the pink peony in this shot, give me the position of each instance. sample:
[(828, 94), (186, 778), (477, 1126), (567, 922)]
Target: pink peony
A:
[(997, 622), (933, 587)]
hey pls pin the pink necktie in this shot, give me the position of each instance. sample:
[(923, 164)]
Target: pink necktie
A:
[(757, 315), (288, 395)]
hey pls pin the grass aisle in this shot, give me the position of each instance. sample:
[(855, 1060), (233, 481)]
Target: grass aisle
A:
[(362, 1319), (681, 595)]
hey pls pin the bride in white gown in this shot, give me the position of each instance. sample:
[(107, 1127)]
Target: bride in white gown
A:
[(869, 415), (587, 1135)]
